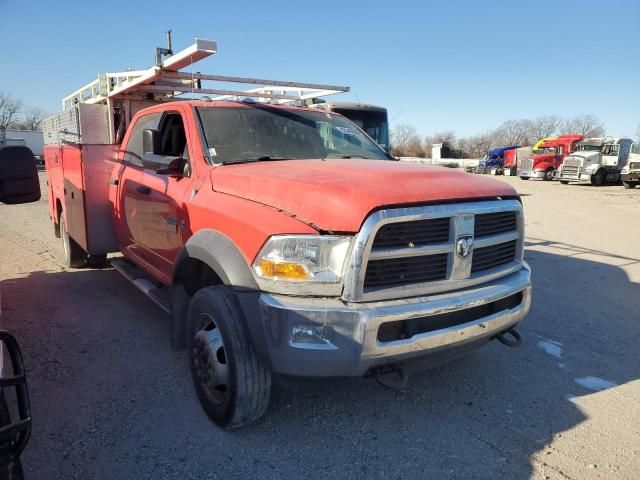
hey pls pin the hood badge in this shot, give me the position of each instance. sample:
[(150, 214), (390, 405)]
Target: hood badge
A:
[(464, 245)]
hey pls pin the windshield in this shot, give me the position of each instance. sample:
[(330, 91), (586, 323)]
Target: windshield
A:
[(635, 148), (539, 151), (374, 123), (588, 147), (261, 132), (611, 150)]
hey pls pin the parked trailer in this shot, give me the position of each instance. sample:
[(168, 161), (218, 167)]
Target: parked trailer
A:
[(547, 157), (493, 162), (596, 161), (279, 238), (630, 173), (513, 158)]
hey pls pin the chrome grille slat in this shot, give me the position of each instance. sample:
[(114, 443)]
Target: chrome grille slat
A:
[(391, 268)]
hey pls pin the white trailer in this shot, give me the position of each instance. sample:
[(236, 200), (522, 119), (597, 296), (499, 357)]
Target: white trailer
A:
[(631, 171)]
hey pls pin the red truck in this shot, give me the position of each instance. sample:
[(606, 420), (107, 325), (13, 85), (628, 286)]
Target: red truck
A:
[(547, 157), (281, 239)]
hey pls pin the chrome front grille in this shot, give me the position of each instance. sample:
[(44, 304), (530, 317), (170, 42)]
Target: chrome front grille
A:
[(415, 251), (634, 165), (570, 171), (526, 165)]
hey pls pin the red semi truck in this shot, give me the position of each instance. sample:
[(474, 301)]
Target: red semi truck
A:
[(280, 239), (548, 157)]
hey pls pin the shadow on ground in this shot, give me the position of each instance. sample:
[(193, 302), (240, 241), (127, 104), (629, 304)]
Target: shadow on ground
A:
[(110, 400)]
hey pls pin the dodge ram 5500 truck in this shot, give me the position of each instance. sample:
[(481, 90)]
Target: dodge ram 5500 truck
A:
[(281, 239)]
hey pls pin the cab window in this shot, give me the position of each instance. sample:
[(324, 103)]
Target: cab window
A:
[(133, 151), (173, 139)]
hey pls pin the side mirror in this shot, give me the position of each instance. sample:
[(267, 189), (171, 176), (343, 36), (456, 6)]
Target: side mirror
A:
[(151, 141), (15, 413), (18, 176), (163, 164)]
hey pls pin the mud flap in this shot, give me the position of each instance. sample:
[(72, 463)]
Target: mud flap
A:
[(178, 317)]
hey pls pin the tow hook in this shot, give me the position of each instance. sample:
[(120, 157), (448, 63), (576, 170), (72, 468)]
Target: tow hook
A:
[(510, 338), (385, 376)]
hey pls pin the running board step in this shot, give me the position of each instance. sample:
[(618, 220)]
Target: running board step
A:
[(158, 293)]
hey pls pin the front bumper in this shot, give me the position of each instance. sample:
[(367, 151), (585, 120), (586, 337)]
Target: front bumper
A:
[(349, 343), (630, 177), (529, 174)]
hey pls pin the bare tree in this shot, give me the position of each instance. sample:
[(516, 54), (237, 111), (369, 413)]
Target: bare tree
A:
[(32, 118), (401, 136), (545, 126), (589, 126), (9, 110), (514, 132)]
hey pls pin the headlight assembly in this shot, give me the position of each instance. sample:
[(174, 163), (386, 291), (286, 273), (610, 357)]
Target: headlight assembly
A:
[(302, 264)]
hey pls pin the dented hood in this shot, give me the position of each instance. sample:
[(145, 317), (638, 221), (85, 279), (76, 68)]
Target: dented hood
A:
[(337, 195)]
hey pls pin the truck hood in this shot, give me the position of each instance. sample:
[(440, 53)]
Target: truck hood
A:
[(337, 195), (542, 157), (585, 157)]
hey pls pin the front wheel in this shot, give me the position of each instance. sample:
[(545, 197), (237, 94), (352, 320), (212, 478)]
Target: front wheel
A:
[(629, 184), (564, 182), (548, 175), (598, 179), (233, 386), (524, 178), (74, 255)]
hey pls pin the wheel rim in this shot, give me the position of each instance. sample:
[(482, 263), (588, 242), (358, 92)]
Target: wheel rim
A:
[(209, 359)]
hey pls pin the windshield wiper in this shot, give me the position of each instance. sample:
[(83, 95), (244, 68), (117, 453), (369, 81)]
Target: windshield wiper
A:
[(353, 156), (265, 158)]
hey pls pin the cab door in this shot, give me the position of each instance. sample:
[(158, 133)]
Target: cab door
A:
[(162, 223)]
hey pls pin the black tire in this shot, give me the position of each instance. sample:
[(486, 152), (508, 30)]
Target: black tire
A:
[(564, 182), (219, 347), (524, 178), (599, 178), (629, 185), (74, 255), (10, 469), (548, 175), (97, 261)]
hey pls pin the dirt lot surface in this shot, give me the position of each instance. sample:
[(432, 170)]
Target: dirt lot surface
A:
[(111, 401)]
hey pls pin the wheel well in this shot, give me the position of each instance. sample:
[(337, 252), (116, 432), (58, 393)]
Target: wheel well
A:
[(195, 274)]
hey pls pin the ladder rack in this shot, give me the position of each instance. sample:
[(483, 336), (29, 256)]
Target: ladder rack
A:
[(165, 82)]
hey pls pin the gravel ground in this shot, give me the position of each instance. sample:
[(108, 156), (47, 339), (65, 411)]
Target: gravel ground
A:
[(111, 401)]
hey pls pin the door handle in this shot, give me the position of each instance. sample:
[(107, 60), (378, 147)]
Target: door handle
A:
[(143, 189)]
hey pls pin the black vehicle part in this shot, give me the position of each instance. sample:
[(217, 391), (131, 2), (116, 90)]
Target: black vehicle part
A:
[(384, 376), (514, 341), (233, 386), (74, 255), (14, 433)]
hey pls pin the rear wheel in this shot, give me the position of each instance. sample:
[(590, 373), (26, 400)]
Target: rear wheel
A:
[(97, 261), (630, 184), (598, 179), (74, 255), (233, 386), (548, 174)]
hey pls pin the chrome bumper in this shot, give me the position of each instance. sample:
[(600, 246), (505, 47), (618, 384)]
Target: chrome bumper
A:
[(530, 174), (347, 344)]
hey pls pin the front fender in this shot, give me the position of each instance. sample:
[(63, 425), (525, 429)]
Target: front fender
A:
[(222, 255)]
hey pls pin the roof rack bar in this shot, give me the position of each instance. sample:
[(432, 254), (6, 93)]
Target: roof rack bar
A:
[(172, 89), (254, 81)]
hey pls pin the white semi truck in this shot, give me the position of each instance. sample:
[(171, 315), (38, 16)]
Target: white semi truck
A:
[(631, 171), (596, 160)]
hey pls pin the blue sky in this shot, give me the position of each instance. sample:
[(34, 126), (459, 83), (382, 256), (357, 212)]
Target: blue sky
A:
[(451, 65)]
